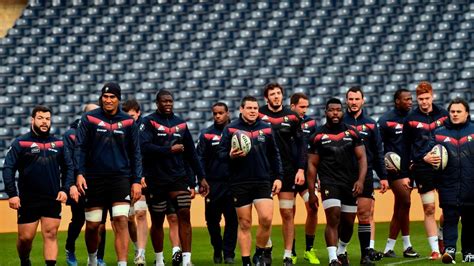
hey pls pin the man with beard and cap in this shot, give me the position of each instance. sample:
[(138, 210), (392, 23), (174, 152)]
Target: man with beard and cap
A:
[(168, 147), (45, 175), (369, 131), (391, 130), (416, 161), (337, 156), (299, 104), (219, 201), (289, 137), (456, 180), (77, 208), (108, 167)]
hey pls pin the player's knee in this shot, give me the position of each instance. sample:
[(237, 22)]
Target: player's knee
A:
[(429, 210), (363, 216), (286, 214), (140, 215), (265, 221), (25, 239), (50, 233), (245, 224), (405, 204), (184, 216)]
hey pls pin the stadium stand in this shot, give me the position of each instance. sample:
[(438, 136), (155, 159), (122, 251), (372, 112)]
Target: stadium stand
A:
[(60, 52)]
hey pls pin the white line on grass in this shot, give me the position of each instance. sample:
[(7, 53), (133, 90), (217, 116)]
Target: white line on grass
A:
[(406, 261)]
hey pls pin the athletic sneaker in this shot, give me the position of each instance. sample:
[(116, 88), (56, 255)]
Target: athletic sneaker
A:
[(100, 262), (287, 261), (374, 255), (71, 258), (435, 255), (177, 258), (468, 257), (311, 257), (390, 254), (294, 259), (410, 253), (139, 260), (335, 263), (229, 260), (267, 256), (449, 256), (366, 261), (343, 259)]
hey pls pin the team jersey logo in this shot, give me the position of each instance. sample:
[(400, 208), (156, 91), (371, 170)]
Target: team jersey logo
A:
[(142, 127), (454, 141)]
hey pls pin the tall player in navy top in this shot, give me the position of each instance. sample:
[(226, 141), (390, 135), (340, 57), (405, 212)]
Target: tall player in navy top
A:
[(418, 129), (337, 156), (369, 131), (45, 175), (219, 201), (286, 125), (391, 132), (108, 168), (168, 148), (299, 104)]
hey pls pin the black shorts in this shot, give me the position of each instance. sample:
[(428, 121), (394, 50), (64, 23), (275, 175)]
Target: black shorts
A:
[(32, 212), (246, 193), (159, 194), (343, 194), (102, 192), (288, 183), (392, 176), (368, 191), (424, 176), (301, 188)]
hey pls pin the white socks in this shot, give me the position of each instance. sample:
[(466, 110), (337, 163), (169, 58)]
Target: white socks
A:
[(287, 254), (372, 244), (433, 240), (332, 253), (159, 258), (122, 263), (175, 249), (341, 248), (186, 258), (406, 242), (390, 245), (92, 259)]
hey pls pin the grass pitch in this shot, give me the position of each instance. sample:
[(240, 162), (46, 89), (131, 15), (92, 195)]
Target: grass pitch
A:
[(202, 250)]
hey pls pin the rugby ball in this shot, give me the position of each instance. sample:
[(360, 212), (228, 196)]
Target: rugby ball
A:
[(241, 141), (392, 160), (440, 151)]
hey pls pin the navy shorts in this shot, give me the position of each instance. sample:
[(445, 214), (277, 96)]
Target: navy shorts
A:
[(102, 192), (246, 193), (32, 212)]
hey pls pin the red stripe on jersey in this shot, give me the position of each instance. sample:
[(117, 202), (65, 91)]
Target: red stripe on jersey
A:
[(97, 121), (209, 136), (72, 137), (394, 125), (41, 146), (265, 131), (122, 124), (308, 124), (361, 127), (278, 120)]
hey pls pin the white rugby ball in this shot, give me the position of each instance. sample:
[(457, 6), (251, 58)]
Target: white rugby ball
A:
[(392, 160), (440, 151), (241, 141)]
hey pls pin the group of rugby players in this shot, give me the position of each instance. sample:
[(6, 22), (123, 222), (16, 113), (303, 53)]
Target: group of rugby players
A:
[(113, 160)]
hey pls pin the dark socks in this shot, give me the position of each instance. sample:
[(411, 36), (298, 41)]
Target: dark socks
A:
[(364, 238), (309, 242), (246, 261)]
